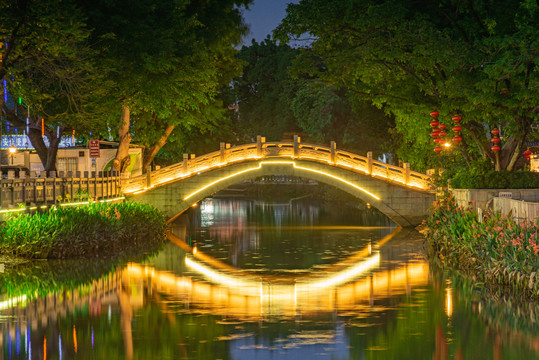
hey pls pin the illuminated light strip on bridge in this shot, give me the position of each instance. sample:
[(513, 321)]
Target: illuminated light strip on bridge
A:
[(252, 287), (282, 163)]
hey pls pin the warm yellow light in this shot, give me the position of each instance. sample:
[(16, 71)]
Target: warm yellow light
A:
[(447, 144), (448, 300), (9, 303), (346, 275), (12, 149), (260, 164)]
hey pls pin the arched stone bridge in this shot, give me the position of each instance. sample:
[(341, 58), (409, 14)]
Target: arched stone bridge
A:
[(401, 194)]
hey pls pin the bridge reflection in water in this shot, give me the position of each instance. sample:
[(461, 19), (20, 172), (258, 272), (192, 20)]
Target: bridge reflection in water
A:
[(353, 284), (364, 283)]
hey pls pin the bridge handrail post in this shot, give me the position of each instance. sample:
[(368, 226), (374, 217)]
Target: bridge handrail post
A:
[(297, 141), (333, 152), (406, 167), (369, 162), (258, 146), (222, 155), (185, 164), (148, 176)]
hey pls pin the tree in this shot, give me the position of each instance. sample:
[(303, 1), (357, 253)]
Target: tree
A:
[(166, 58), (264, 91), (476, 59), (273, 99), (45, 62)]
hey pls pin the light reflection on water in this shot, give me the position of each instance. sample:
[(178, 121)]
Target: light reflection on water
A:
[(221, 289)]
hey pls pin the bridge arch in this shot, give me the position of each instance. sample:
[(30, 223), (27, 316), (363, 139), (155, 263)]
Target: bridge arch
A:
[(399, 193)]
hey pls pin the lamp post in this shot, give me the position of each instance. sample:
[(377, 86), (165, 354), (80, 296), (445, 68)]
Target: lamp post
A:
[(12, 151)]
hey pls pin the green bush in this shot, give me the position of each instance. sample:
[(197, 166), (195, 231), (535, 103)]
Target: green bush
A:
[(495, 250), (97, 229), (491, 179)]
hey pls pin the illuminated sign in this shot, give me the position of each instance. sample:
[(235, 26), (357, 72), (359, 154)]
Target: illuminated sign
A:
[(23, 142)]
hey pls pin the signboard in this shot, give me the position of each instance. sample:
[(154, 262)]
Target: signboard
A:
[(94, 148), (22, 142)]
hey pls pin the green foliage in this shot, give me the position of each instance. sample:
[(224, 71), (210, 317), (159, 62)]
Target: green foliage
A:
[(496, 180), (273, 99), (98, 229), (477, 59), (167, 60), (495, 251)]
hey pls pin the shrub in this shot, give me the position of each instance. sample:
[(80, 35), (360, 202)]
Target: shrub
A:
[(496, 249), (491, 179), (97, 229)]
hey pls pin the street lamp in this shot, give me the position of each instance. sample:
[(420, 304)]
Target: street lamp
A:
[(12, 151)]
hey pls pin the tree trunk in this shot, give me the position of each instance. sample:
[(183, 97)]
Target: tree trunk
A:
[(52, 152), (39, 145), (46, 155), (122, 159), (152, 151)]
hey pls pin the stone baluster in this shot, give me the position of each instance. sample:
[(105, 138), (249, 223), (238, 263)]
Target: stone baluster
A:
[(333, 152), (297, 141), (185, 164), (406, 167), (369, 162)]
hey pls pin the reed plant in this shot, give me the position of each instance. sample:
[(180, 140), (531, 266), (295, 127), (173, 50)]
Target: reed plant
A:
[(493, 249), (96, 229)]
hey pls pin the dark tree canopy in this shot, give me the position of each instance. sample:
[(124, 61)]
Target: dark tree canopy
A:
[(477, 59)]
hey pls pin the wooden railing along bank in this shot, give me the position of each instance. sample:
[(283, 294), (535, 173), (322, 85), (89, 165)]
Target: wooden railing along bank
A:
[(54, 188)]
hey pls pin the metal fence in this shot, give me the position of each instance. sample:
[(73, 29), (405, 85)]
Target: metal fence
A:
[(54, 189)]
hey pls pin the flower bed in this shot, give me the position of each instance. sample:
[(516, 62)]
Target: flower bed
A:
[(97, 229), (497, 252)]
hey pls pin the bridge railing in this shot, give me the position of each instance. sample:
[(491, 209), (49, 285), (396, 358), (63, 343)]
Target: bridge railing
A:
[(287, 149)]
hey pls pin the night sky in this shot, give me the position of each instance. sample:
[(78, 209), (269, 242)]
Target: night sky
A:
[(264, 16)]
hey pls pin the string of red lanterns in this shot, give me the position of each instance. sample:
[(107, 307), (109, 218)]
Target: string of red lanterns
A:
[(527, 154), (436, 130), (439, 131), (495, 140), (457, 129)]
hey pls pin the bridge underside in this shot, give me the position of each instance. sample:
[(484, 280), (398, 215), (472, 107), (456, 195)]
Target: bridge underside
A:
[(407, 207)]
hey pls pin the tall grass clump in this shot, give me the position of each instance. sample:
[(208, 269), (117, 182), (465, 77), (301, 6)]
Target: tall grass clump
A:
[(496, 251), (97, 229)]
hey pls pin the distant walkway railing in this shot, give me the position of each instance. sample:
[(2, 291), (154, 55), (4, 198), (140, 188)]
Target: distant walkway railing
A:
[(51, 189), (290, 150)]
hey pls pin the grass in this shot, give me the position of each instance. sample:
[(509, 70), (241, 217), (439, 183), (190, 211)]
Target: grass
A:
[(94, 230)]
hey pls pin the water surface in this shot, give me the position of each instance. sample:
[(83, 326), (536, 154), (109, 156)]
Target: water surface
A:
[(244, 279)]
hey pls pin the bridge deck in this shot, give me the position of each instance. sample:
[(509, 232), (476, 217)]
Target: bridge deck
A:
[(286, 150)]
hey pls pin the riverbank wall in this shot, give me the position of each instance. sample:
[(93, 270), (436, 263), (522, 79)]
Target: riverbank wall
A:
[(520, 204)]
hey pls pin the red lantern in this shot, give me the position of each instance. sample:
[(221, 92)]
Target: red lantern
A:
[(435, 134), (434, 114), (527, 154), (437, 140), (495, 132), (437, 149), (457, 118), (442, 126), (442, 133), (457, 139), (495, 140), (495, 148), (434, 123), (457, 128)]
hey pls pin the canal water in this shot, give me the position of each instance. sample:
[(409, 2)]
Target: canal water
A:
[(246, 279)]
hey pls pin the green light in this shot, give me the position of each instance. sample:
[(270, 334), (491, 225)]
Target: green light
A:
[(20, 101)]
